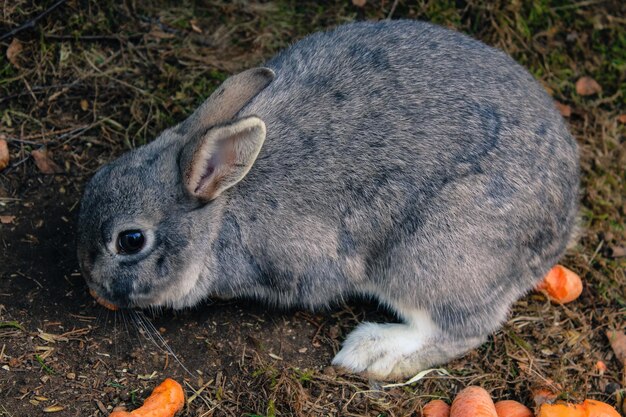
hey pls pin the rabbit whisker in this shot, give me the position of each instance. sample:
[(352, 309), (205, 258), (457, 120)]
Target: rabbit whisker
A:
[(153, 335)]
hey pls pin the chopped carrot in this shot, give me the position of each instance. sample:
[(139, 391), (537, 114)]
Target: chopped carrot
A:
[(102, 301), (561, 284), (589, 408), (599, 409), (561, 410), (510, 408), (165, 401), (473, 402), (436, 408)]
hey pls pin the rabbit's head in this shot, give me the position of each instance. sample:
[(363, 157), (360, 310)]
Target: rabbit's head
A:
[(148, 218)]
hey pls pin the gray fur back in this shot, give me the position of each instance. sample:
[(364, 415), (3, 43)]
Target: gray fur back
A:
[(406, 158)]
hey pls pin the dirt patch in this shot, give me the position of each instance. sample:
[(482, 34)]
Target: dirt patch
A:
[(58, 343), (94, 79)]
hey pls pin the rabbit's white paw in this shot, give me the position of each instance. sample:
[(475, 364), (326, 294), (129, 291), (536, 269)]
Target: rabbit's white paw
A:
[(383, 351)]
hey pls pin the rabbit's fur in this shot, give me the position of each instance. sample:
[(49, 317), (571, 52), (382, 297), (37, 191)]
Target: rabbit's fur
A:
[(397, 160)]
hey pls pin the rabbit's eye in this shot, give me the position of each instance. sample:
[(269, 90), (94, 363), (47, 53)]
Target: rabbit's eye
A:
[(130, 241)]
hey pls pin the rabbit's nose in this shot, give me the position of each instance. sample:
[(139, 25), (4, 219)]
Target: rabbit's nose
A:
[(119, 292)]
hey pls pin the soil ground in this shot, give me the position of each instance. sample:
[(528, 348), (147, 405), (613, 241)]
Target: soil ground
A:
[(92, 79)]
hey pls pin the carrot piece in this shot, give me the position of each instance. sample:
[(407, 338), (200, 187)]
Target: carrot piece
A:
[(436, 408), (165, 401), (102, 301), (595, 408), (561, 410), (562, 285), (510, 408), (589, 408), (473, 402)]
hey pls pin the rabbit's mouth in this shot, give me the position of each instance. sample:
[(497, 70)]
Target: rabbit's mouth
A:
[(116, 303), (125, 292), (112, 300), (102, 301)]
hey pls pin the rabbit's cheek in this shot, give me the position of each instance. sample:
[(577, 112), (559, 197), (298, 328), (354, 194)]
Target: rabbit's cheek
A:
[(174, 291), (186, 292)]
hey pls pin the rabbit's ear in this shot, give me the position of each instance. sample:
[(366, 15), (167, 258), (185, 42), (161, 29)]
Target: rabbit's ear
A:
[(220, 158), (229, 99)]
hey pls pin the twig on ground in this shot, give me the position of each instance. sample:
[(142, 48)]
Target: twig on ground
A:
[(95, 38), (393, 9), (31, 23), (26, 139), (124, 83)]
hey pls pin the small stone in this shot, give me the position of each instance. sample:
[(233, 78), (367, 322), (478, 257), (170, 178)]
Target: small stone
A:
[(611, 387), (564, 109), (587, 86), (4, 154), (618, 251), (329, 371)]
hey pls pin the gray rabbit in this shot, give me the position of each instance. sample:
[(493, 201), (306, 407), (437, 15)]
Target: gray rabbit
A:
[(396, 160)]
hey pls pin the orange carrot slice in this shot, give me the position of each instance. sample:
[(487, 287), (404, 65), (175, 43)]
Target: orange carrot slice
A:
[(589, 408), (102, 301), (165, 401), (561, 410), (510, 408), (473, 402), (595, 408), (562, 285), (436, 408)]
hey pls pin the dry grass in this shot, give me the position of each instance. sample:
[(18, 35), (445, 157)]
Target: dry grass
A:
[(96, 78)]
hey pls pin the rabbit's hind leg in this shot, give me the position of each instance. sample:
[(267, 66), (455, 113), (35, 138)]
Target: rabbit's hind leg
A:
[(392, 351)]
